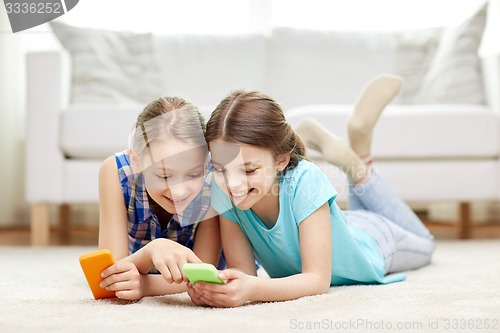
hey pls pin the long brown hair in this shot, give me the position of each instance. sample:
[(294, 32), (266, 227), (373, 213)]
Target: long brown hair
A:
[(253, 118)]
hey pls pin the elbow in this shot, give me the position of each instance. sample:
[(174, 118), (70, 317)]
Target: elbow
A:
[(322, 285), (318, 283), (324, 289)]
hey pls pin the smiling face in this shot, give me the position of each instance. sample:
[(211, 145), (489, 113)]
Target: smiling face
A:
[(176, 177), (246, 173)]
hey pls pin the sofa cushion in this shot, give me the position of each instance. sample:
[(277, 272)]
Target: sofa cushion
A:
[(429, 181), (415, 51), (316, 67), (97, 131), (431, 131), (455, 72), (110, 66), (205, 68)]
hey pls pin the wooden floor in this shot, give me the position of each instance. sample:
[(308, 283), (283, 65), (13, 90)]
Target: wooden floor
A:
[(77, 237), (89, 236)]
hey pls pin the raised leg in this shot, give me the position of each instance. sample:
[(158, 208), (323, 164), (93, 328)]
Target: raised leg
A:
[(372, 101), (333, 149), (377, 197)]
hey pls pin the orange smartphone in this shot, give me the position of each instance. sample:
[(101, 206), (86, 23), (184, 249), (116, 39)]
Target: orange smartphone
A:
[(93, 264)]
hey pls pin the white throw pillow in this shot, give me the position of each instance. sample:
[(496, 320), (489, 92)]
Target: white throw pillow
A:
[(455, 72), (415, 50), (110, 66)]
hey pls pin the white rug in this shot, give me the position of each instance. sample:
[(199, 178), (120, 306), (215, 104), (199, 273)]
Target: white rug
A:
[(44, 290)]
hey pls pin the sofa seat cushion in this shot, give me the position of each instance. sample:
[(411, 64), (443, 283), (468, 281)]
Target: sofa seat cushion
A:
[(96, 132), (431, 131)]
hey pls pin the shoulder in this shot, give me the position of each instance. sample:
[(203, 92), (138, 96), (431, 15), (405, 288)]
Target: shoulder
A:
[(108, 166), (306, 188), (303, 166), (116, 166), (305, 174)]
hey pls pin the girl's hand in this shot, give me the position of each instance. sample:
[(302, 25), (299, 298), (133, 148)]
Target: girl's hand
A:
[(168, 257), (237, 291), (195, 296), (124, 279)]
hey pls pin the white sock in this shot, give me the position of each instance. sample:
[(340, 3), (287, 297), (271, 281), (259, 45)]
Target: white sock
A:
[(367, 110), (333, 149)]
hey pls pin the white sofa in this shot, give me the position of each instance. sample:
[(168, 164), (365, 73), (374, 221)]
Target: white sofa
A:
[(437, 151)]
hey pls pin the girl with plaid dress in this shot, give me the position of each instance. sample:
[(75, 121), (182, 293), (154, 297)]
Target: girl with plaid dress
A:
[(155, 202)]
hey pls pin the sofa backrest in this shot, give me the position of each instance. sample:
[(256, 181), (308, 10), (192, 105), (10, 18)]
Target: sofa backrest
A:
[(438, 65), (324, 67), (295, 66), (205, 68)]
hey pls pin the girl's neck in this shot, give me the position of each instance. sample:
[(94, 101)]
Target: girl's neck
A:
[(163, 216), (267, 209)]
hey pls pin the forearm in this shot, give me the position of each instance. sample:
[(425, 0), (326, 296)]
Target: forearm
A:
[(207, 245), (156, 285), (288, 288), (160, 247), (141, 259)]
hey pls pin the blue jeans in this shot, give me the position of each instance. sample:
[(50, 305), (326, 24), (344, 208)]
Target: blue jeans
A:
[(404, 242)]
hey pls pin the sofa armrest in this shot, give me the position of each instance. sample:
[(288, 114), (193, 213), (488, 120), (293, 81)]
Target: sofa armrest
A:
[(489, 52), (48, 75), (491, 81)]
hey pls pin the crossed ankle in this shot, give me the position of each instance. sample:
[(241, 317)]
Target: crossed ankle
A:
[(363, 179), (368, 160)]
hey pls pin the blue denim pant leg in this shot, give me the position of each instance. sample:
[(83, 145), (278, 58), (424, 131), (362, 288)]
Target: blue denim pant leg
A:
[(404, 241)]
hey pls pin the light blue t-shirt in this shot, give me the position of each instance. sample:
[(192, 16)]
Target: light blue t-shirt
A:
[(302, 190)]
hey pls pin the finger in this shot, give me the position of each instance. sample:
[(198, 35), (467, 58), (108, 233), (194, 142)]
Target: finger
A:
[(198, 301), (131, 295), (165, 272), (230, 274), (177, 275), (213, 287), (110, 280), (184, 277), (113, 279), (113, 269), (190, 287), (176, 271), (209, 302), (120, 286), (117, 268), (219, 298), (195, 297), (194, 293)]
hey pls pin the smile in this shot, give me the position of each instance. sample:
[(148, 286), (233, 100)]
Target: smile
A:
[(177, 202), (241, 194)]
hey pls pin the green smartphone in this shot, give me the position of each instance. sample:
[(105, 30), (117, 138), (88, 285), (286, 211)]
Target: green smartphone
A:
[(202, 272)]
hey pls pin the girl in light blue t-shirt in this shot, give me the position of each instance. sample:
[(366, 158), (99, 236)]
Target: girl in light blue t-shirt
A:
[(280, 208)]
